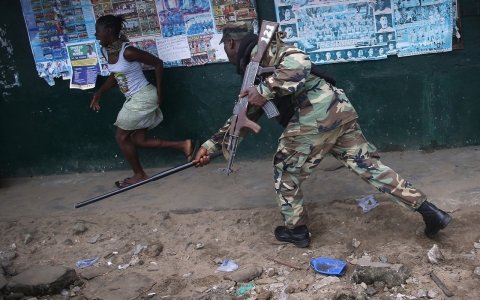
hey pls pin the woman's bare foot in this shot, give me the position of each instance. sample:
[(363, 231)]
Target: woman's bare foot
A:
[(191, 149), (130, 180)]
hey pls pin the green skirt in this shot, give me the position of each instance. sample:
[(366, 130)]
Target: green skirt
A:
[(140, 110)]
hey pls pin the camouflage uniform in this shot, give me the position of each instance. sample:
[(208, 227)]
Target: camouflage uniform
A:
[(324, 122)]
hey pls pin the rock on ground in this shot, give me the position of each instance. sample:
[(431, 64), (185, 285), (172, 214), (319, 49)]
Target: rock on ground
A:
[(42, 280)]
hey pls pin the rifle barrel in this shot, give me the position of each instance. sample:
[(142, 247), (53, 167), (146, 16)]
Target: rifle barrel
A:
[(153, 178)]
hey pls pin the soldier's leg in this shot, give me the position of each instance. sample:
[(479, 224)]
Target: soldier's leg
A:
[(294, 161), (360, 156)]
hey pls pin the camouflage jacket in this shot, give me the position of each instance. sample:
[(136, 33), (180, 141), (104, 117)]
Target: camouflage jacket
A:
[(319, 106)]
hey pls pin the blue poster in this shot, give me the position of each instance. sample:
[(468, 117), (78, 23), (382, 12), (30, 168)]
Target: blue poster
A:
[(357, 30), (423, 27), (51, 24)]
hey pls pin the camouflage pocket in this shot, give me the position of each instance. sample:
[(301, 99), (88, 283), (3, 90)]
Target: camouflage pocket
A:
[(292, 153)]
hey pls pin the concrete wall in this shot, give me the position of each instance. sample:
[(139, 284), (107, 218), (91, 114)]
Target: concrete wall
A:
[(420, 102)]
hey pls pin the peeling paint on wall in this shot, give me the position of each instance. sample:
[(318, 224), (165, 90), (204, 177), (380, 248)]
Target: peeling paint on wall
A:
[(9, 77)]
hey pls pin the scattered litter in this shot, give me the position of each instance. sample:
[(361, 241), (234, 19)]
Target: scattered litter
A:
[(435, 256), (65, 293), (245, 288), (284, 262), (279, 248), (329, 266), (13, 246), (228, 265), (187, 275), (120, 267), (283, 295), (149, 295), (153, 263), (108, 255), (355, 243), (188, 245), (94, 239), (86, 262), (109, 263), (135, 260), (367, 203), (138, 249), (199, 246)]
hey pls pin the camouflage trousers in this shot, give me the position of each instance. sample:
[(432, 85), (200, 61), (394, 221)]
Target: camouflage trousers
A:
[(297, 157)]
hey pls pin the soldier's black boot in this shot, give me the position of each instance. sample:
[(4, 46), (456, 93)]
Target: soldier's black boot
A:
[(298, 236), (434, 218)]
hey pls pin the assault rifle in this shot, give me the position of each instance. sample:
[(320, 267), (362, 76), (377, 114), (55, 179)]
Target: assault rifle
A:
[(239, 118)]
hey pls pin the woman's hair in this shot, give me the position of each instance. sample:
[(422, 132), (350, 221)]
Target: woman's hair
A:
[(114, 22)]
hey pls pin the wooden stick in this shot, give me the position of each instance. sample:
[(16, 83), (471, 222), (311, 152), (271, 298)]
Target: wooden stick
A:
[(440, 284), (284, 263)]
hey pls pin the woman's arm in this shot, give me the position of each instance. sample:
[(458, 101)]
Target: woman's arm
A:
[(109, 83), (134, 54)]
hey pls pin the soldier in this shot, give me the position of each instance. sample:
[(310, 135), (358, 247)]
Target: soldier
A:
[(322, 121)]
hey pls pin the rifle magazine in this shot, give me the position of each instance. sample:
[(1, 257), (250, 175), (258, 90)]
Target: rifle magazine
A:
[(270, 109)]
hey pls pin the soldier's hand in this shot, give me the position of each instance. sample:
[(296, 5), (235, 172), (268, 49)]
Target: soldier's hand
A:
[(254, 98), (202, 158)]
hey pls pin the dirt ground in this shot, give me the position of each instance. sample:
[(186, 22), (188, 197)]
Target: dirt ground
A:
[(246, 236), (234, 218)]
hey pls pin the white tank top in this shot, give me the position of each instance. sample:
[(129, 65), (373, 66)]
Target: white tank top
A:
[(129, 75)]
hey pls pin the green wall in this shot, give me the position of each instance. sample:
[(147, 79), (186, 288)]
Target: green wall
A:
[(421, 102)]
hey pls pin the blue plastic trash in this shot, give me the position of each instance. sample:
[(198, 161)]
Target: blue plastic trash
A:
[(86, 262), (367, 203), (329, 266), (228, 265), (245, 288)]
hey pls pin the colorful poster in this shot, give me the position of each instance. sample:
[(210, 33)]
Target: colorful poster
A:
[(85, 65), (171, 29), (191, 23), (147, 44), (140, 15), (423, 27), (357, 30), (333, 32), (180, 32), (51, 24)]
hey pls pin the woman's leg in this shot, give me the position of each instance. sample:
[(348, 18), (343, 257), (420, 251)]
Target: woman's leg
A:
[(140, 140), (130, 153)]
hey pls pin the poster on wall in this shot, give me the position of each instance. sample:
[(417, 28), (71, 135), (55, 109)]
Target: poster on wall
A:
[(47, 39), (85, 64), (140, 15), (357, 30), (180, 32), (424, 27), (198, 25), (51, 24)]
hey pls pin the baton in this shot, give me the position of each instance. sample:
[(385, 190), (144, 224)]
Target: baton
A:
[(153, 178)]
